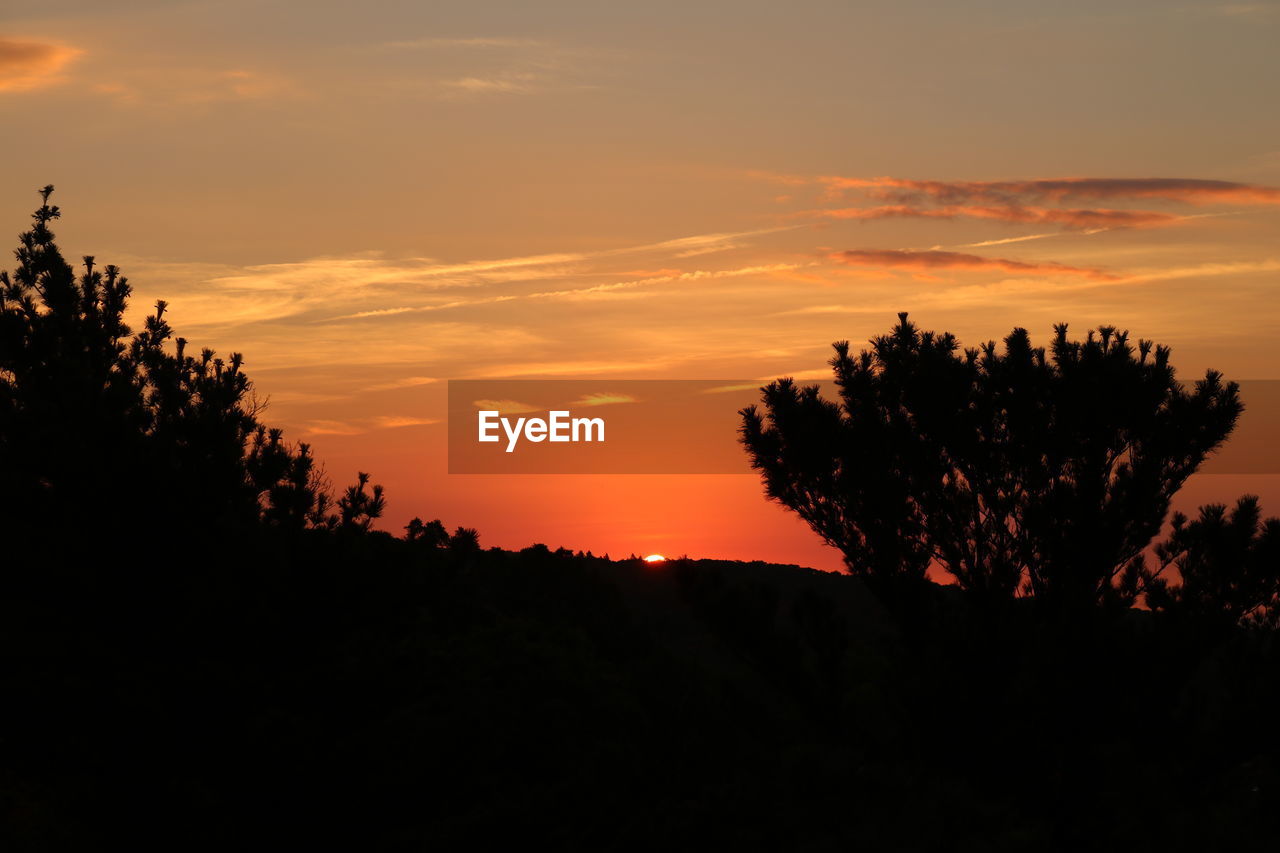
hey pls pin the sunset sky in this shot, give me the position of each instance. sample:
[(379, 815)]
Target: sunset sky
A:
[(370, 199)]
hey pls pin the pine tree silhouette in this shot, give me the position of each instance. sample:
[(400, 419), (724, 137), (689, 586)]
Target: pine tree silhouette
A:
[(357, 508), (1228, 563), (465, 540), (99, 426), (1018, 471), (432, 534)]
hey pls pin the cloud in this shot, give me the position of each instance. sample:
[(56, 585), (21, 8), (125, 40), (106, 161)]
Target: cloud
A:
[(599, 290), (360, 427), (1039, 202), (328, 427), (252, 85), (266, 292), (26, 65), (406, 382), (395, 421), (1019, 192), (924, 261), (1006, 240), (579, 368), (564, 265), (474, 42), (701, 244), (513, 83), (195, 86), (276, 291), (1069, 219), (730, 389), (507, 407), (1204, 270), (805, 375), (617, 289), (490, 66), (603, 398)]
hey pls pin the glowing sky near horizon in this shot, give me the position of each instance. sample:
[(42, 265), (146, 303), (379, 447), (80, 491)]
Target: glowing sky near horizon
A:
[(370, 199)]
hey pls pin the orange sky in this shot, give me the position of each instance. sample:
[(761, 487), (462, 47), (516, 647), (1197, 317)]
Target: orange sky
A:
[(370, 199)]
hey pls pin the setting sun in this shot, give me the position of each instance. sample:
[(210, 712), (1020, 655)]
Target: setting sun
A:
[(655, 558)]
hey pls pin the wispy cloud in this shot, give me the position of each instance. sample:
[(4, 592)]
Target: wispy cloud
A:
[(941, 260), (1203, 270), (27, 65), (1075, 219), (363, 425), (432, 42), (331, 427), (511, 83), (475, 67), (177, 85), (599, 290), (603, 398), (506, 407), (396, 421), (406, 382), (580, 367), (617, 289), (1018, 192), (1005, 240), (730, 389)]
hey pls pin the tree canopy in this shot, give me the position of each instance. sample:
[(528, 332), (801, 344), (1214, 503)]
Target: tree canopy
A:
[(1018, 470), (98, 422)]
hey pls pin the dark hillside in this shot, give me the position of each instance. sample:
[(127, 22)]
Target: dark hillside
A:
[(370, 691)]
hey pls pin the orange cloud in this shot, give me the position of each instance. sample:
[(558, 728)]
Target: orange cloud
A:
[(935, 259), (1068, 218), (1013, 193), (30, 65)]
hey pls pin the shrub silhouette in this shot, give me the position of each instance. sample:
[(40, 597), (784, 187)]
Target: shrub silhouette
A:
[(357, 508), (1017, 470), (98, 424), (465, 540), (1228, 562), (431, 534)]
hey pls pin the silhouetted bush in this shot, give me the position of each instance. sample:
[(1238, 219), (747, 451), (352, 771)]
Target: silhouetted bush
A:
[(1228, 566), (432, 534), (1017, 470), (465, 540), (101, 427)]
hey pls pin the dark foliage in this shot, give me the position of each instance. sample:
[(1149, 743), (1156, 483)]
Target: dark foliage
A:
[(286, 690), (1227, 563), (432, 534), (101, 427), (1019, 471)]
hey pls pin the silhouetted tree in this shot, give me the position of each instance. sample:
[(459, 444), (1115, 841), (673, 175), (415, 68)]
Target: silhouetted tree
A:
[(97, 422), (1015, 469), (298, 494), (465, 540), (432, 534), (1228, 562), (435, 535), (357, 508)]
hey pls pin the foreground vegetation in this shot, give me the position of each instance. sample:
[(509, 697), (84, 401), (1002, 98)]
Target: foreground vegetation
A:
[(376, 692)]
